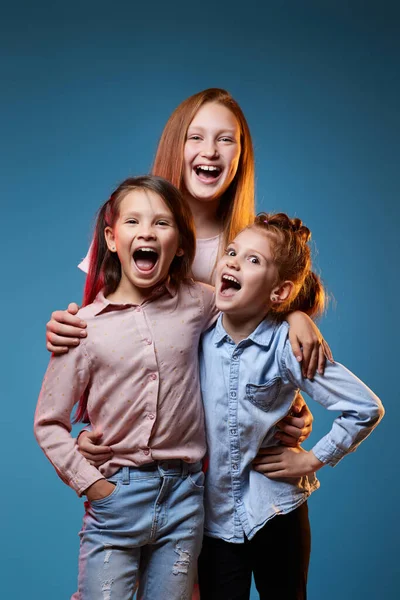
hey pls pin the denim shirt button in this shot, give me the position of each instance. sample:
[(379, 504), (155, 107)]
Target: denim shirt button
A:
[(233, 394)]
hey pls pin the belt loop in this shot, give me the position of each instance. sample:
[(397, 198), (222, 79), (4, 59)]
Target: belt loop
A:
[(125, 475)]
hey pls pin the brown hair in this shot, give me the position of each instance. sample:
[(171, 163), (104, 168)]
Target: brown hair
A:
[(236, 209), (292, 256), (105, 267)]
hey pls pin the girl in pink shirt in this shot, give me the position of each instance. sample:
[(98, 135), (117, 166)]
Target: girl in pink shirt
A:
[(136, 378)]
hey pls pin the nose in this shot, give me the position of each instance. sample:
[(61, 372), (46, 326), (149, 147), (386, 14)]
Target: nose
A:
[(210, 149), (146, 232), (232, 263)]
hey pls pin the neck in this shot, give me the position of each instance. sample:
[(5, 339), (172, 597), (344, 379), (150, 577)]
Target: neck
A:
[(206, 221), (128, 294), (240, 327)]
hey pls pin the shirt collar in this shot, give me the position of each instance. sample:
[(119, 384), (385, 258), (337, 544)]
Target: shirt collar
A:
[(262, 335), (102, 304)]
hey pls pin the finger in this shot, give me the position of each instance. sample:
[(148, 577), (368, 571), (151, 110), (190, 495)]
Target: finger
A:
[(98, 459), (291, 431), (72, 308), (55, 327), (321, 360), (312, 367), (277, 475), (306, 415), (266, 459), (296, 422), (298, 404), (66, 342), (268, 468), (97, 450), (296, 348), (63, 316), (57, 350), (307, 349), (287, 440), (327, 350)]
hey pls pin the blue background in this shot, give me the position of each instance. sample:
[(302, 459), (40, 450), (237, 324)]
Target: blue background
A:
[(86, 90)]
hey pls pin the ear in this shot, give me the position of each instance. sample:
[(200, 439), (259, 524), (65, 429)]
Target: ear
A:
[(179, 252), (281, 292), (110, 239)]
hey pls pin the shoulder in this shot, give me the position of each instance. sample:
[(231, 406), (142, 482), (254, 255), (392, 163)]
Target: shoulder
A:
[(87, 313), (198, 290)]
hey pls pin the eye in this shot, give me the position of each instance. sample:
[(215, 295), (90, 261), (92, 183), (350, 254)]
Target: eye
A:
[(194, 137), (132, 221), (162, 222), (226, 139), (230, 252), (254, 260)]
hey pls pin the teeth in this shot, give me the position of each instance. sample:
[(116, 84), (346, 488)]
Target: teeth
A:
[(208, 167), (146, 249), (230, 278)]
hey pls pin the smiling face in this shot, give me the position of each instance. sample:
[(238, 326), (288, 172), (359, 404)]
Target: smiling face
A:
[(247, 278), (211, 153), (146, 239)]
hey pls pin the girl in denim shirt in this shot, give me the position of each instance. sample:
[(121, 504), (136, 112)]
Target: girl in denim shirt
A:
[(256, 516)]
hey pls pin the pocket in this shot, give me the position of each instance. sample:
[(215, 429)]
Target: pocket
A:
[(263, 396), (106, 499), (197, 480)]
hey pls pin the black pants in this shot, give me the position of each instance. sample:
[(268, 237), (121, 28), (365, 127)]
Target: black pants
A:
[(278, 556)]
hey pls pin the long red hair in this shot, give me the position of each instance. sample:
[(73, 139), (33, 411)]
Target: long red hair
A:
[(236, 209)]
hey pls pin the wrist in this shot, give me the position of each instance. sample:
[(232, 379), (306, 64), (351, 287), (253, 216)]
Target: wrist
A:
[(314, 463), (98, 489)]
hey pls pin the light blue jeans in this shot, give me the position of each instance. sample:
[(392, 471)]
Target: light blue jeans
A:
[(149, 528)]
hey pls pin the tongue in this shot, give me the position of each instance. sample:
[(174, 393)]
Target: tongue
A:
[(145, 264)]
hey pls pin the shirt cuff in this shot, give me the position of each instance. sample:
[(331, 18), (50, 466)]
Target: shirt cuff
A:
[(328, 453), (84, 479)]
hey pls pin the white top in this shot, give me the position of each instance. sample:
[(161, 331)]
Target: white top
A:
[(203, 264)]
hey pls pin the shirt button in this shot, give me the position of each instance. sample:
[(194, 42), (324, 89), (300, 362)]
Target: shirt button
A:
[(148, 342), (233, 431), (153, 376), (138, 309), (238, 501), (235, 357), (146, 452), (151, 416), (234, 466), (233, 394)]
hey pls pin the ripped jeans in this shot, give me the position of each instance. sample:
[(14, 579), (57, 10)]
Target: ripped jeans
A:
[(149, 528)]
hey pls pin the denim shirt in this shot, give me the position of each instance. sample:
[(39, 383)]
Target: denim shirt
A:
[(247, 388)]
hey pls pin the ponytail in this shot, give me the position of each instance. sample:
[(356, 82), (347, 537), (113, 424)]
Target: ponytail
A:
[(311, 297)]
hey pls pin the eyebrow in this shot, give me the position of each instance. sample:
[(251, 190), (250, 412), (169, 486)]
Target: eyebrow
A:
[(155, 216), (200, 128)]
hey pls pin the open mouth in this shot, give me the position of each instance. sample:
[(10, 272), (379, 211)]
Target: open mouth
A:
[(229, 285), (208, 173), (145, 259)]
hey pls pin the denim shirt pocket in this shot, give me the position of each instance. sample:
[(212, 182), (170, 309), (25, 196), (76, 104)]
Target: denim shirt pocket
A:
[(263, 396)]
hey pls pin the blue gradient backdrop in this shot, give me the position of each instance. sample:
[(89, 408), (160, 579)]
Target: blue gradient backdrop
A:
[(86, 90)]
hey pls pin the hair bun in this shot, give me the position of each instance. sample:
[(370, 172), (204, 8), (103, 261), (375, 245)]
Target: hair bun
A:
[(300, 229)]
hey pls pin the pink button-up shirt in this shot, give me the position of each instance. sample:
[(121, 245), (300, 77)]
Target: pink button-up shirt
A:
[(140, 366)]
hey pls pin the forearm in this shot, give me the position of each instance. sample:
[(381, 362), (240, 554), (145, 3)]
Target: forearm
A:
[(65, 380), (340, 390)]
